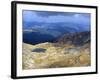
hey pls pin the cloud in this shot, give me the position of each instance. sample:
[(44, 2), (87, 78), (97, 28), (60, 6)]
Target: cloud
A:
[(55, 17)]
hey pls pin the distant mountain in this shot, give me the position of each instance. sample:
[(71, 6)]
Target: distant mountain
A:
[(78, 38), (35, 33), (53, 29), (36, 37)]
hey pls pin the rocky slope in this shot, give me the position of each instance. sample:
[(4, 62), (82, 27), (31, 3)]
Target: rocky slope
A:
[(79, 38), (70, 50), (47, 55)]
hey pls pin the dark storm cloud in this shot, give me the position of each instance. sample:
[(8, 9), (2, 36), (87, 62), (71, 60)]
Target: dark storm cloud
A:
[(54, 17)]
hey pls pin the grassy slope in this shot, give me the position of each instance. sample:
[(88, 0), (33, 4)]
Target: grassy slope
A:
[(54, 56)]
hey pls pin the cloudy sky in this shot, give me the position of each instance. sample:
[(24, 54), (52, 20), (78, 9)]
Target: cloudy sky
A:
[(55, 17)]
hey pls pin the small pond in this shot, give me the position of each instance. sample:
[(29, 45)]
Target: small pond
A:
[(39, 50)]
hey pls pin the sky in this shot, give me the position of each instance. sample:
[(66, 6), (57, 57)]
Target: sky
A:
[(54, 17)]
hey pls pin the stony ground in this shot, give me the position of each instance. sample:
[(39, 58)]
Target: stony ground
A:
[(50, 55)]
